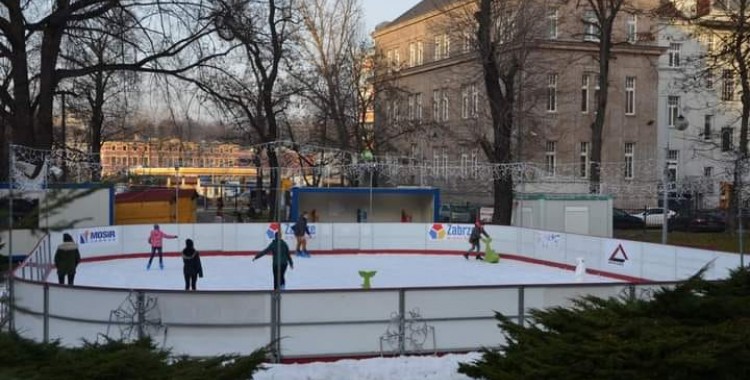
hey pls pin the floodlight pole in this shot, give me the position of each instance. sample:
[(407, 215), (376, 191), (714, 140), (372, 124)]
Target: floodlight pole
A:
[(11, 292), (680, 123)]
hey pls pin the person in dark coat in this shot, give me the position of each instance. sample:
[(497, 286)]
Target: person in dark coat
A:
[(476, 234), (300, 230), (192, 268), (281, 259), (67, 258)]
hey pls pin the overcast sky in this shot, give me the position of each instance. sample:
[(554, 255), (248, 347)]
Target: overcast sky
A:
[(377, 11)]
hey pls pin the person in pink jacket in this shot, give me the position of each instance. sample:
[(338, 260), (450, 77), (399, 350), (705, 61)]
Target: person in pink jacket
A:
[(156, 239)]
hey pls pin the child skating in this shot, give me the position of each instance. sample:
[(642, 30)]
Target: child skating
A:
[(156, 239), (476, 234)]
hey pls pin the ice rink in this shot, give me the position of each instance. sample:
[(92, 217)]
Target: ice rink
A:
[(325, 271)]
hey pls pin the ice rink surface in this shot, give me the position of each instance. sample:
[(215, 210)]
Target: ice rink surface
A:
[(323, 272)]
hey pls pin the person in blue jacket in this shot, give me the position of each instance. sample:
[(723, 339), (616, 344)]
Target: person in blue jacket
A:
[(300, 230), (279, 250), (476, 234)]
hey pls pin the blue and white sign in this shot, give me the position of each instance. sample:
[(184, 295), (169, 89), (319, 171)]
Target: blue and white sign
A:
[(98, 236)]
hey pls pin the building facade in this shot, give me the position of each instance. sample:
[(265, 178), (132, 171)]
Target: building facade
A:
[(431, 57)]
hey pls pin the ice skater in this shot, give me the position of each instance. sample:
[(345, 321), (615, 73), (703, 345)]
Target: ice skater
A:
[(67, 258), (156, 240), (279, 250), (300, 230), (476, 234), (192, 268)]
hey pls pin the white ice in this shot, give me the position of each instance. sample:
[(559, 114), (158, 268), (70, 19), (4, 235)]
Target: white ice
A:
[(324, 272)]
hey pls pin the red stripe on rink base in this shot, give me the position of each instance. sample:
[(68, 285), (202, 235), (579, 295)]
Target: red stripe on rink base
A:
[(352, 251)]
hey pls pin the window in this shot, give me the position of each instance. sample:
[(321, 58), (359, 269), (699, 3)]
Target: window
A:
[(446, 46), (410, 107), (436, 105), (585, 79), (673, 109), (673, 160), (468, 43), (708, 122), (584, 160), (630, 95), (590, 26), (444, 105), (396, 59), (420, 53), (726, 139), (418, 101), (389, 59), (445, 162), (727, 85), (474, 163), (552, 18), (465, 102), (708, 174), (552, 93), (674, 54), (632, 25), (708, 76), (464, 164), (549, 157), (396, 113), (438, 50), (474, 100), (629, 160), (412, 54)]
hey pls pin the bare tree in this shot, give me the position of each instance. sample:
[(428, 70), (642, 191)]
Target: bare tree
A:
[(31, 43)]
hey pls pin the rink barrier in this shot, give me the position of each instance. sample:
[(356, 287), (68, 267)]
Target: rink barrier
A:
[(353, 322)]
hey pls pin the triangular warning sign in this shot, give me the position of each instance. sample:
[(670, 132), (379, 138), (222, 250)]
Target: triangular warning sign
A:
[(618, 255)]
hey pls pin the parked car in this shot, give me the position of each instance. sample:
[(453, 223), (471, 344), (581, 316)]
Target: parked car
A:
[(622, 220), (654, 217), (702, 221)]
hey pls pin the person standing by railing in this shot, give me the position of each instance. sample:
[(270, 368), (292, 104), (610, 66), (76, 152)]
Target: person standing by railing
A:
[(67, 258), (192, 268), (156, 240)]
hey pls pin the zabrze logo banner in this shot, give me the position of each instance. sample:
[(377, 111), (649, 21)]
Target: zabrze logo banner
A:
[(273, 228), (439, 231)]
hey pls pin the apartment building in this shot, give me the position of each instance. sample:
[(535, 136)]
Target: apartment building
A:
[(431, 58), (705, 91)]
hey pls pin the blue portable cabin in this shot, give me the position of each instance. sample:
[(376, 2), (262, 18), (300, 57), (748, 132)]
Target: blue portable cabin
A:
[(364, 204)]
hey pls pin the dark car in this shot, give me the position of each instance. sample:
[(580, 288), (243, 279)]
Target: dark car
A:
[(698, 222), (622, 220)]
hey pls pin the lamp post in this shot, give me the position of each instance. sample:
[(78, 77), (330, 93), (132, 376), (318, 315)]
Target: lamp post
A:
[(680, 124), (177, 194)]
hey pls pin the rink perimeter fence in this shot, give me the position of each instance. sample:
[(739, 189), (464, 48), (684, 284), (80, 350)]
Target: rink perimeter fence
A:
[(336, 323)]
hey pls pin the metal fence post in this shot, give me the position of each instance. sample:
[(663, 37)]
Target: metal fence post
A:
[(46, 313), (521, 305), (141, 311), (401, 321)]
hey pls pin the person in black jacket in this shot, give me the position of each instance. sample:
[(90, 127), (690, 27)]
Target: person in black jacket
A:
[(300, 230), (476, 234), (67, 258), (192, 268), (281, 258)]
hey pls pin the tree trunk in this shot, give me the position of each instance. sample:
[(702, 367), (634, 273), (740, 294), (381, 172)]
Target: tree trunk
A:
[(597, 127)]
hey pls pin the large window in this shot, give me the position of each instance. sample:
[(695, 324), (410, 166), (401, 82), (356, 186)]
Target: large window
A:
[(436, 105), (438, 48), (410, 107), (673, 161), (550, 157), (597, 88), (444, 105), (629, 160), (552, 93), (474, 100), (412, 54), (674, 54), (585, 80), (469, 101), (726, 139), (552, 19), (584, 160), (727, 85), (446, 46), (420, 53), (632, 25), (708, 175), (590, 26), (465, 96), (418, 112), (708, 124), (630, 95), (673, 109)]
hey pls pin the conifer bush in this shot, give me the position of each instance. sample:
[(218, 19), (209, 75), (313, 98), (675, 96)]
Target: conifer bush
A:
[(697, 330)]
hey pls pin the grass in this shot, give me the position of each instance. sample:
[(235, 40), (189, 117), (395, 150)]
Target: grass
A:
[(720, 241)]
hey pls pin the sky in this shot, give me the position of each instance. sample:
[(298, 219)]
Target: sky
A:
[(337, 271), (377, 11)]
